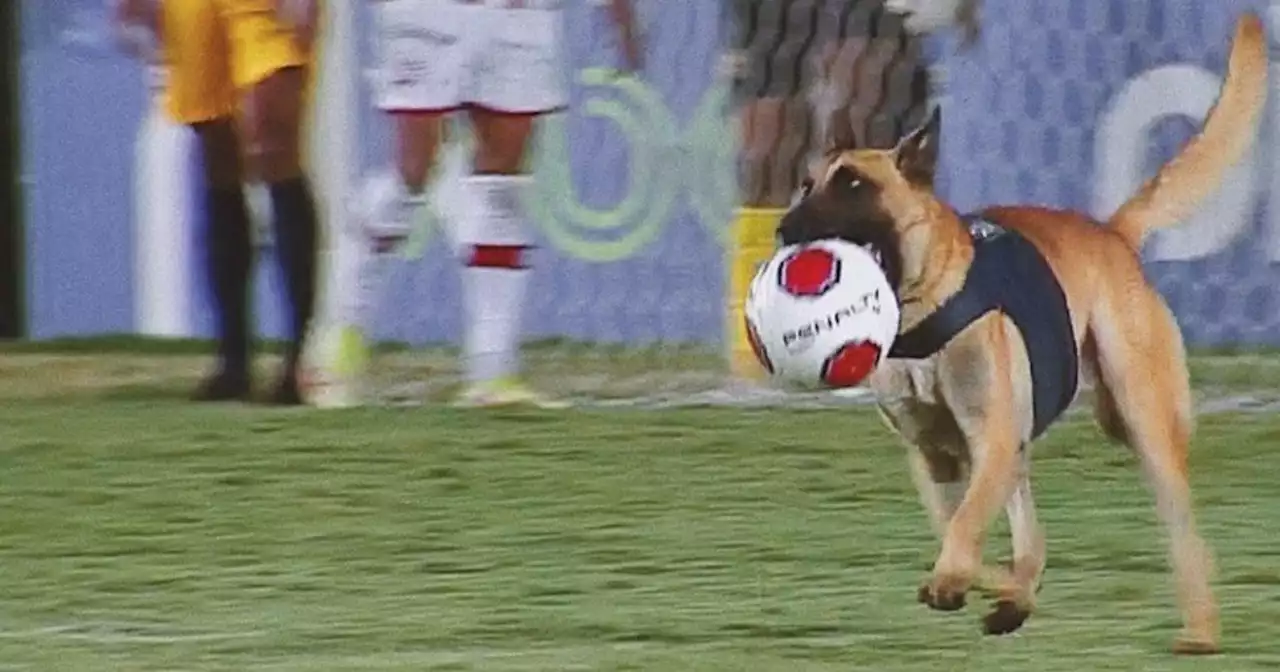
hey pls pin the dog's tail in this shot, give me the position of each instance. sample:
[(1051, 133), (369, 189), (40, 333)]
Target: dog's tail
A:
[(1175, 191)]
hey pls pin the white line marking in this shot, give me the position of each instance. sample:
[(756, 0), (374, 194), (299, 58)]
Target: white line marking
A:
[(124, 633)]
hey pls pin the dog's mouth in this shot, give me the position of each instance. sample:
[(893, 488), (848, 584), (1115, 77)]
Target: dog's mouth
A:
[(875, 250), (806, 222), (886, 257), (875, 254), (886, 262)]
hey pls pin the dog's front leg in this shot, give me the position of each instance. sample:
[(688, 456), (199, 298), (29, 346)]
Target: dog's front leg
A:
[(973, 379), (940, 471), (960, 560), (1015, 601), (941, 487), (940, 481)]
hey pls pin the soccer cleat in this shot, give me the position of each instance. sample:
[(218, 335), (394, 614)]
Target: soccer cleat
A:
[(502, 393), (352, 357), (340, 380)]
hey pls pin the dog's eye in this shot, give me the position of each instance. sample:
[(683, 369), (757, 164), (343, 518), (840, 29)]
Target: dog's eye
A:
[(847, 179), (802, 193)]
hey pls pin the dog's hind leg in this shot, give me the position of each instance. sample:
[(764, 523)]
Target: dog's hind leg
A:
[(1105, 410), (1143, 368)]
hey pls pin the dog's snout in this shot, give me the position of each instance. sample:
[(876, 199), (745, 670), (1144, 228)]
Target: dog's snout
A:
[(797, 226), (786, 231)]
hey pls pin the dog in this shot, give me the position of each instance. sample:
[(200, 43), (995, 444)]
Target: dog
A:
[(985, 365)]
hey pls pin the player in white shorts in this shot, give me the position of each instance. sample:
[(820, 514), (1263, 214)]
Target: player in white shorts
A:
[(499, 62)]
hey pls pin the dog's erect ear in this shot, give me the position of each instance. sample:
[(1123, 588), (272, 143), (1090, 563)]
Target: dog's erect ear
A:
[(918, 152), (840, 136)]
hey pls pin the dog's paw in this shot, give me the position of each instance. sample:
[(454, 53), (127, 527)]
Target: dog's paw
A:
[(1007, 617), (999, 581), (1194, 644), (944, 593), (994, 581)]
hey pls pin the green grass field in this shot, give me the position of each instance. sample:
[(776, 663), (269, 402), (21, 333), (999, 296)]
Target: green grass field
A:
[(138, 532)]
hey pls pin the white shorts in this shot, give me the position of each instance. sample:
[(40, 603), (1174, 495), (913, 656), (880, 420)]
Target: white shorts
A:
[(440, 55)]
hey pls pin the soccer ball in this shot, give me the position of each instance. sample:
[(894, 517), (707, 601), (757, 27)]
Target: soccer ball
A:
[(821, 315)]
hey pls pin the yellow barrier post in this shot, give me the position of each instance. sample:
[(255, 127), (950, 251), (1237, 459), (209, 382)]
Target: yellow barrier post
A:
[(750, 245)]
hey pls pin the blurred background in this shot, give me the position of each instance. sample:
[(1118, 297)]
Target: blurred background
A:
[(142, 532), (1065, 104)]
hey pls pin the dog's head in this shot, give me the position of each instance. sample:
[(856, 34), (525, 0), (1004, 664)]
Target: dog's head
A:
[(880, 199)]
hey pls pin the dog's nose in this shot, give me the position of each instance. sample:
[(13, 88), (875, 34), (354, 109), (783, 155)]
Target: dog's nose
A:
[(783, 236), (791, 228)]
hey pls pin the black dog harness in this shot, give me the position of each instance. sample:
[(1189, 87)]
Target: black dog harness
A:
[(1009, 275)]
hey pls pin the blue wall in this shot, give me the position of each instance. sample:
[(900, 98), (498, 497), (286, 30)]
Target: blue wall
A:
[(1021, 115)]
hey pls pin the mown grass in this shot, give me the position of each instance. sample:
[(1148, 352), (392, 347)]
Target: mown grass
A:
[(138, 532), (130, 365)]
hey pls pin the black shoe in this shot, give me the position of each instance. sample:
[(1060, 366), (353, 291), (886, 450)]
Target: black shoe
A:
[(287, 392), (223, 386)]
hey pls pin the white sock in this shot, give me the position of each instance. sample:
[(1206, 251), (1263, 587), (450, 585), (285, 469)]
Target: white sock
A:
[(365, 252), (494, 300), (495, 277), (361, 276), (391, 210)]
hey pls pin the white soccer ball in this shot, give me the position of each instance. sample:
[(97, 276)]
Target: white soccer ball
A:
[(821, 315)]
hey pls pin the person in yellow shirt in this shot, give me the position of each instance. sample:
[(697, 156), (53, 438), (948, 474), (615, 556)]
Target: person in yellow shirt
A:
[(237, 74)]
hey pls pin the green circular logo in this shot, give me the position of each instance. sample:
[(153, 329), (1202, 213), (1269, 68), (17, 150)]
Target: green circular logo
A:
[(713, 180), (618, 232), (662, 163), (429, 219)]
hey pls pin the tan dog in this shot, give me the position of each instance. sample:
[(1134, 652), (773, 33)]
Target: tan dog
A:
[(967, 411)]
